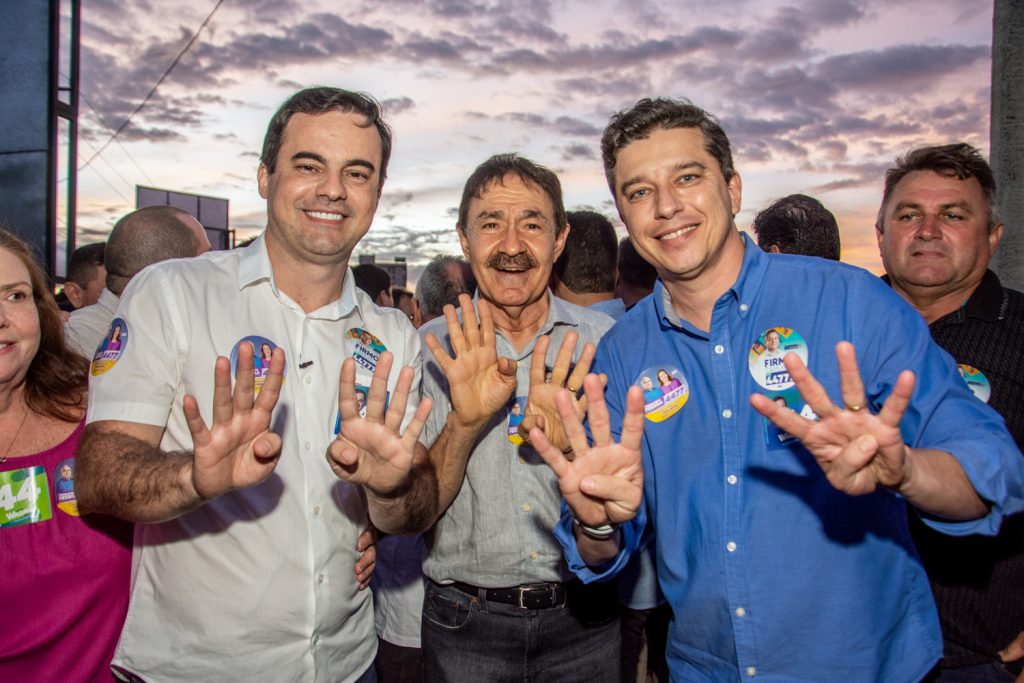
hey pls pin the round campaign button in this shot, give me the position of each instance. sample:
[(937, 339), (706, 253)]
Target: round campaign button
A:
[(976, 381), (765, 360), (665, 391), (262, 349), (111, 348)]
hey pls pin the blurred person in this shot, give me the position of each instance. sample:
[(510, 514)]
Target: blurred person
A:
[(585, 273), (857, 605), (440, 284), (85, 277), (376, 282), (141, 238), (798, 224), (402, 299), (65, 577), (258, 583), (938, 228), (636, 277)]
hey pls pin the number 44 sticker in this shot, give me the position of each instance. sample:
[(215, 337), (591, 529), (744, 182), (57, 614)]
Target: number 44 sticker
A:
[(24, 497)]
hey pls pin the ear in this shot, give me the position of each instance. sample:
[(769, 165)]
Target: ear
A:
[(735, 193), (774, 249), (417, 314), (263, 180), (560, 242), (74, 293), (464, 241), (993, 239)]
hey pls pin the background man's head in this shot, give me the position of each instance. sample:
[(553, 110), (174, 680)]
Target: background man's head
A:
[(376, 282), (150, 235), (512, 227), (636, 277), (798, 224), (402, 300), (322, 169), (938, 225), (86, 275), (588, 261), (440, 284)]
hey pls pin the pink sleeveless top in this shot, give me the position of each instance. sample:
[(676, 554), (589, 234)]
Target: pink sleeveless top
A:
[(64, 579)]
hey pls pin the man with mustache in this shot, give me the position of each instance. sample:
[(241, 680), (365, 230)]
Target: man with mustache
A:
[(499, 601), (938, 227)]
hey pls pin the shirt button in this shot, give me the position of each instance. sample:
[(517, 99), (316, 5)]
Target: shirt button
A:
[(726, 413), (526, 506), (745, 308), (316, 510), (320, 579), (306, 446), (740, 612), (730, 546), (308, 379), (751, 671), (534, 555), (731, 479), (719, 349)]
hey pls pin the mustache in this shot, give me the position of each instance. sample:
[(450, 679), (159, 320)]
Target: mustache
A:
[(502, 260)]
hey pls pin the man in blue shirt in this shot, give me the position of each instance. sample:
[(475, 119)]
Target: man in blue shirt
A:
[(783, 559)]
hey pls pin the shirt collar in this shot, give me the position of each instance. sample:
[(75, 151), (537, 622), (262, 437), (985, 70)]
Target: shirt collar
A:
[(743, 291), (254, 267), (988, 302), (108, 300)]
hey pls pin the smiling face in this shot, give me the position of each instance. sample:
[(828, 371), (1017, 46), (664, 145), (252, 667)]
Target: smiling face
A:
[(19, 320), (935, 239), (324, 190), (771, 341), (678, 207), (510, 242)]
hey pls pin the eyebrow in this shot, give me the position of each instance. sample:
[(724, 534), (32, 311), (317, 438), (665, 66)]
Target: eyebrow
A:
[(942, 207), (319, 158), (681, 166), (525, 213), (12, 285)]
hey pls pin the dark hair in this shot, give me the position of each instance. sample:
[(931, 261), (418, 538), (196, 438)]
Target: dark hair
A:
[(662, 113), (400, 293), (590, 256), (495, 169), (958, 160), (798, 224), (633, 269), (321, 100), (57, 377), (372, 279), (84, 261), (441, 282), (144, 237)]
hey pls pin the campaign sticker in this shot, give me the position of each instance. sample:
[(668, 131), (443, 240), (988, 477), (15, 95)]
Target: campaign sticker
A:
[(366, 348), (262, 350), (24, 497), (665, 391), (111, 348), (774, 437), (515, 416), (976, 381), (362, 393), (64, 486), (766, 366)]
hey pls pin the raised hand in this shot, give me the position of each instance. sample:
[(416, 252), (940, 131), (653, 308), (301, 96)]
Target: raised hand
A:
[(238, 450), (858, 450), (604, 482), (541, 411), (479, 383), (370, 450)]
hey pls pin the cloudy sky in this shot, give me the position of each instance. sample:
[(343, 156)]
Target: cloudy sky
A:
[(817, 96)]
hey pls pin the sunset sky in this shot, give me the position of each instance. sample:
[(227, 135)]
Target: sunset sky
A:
[(816, 96)]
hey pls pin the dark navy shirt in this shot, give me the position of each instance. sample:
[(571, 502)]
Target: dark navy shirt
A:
[(771, 572)]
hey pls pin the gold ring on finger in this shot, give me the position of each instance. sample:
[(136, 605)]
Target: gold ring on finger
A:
[(855, 409)]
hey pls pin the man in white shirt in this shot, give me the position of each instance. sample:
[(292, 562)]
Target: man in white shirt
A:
[(245, 542), (141, 238)]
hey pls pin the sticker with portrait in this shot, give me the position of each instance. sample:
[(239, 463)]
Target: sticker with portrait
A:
[(516, 413), (262, 350), (765, 360), (111, 348), (976, 381), (774, 437), (64, 487), (365, 347), (362, 394), (665, 391)]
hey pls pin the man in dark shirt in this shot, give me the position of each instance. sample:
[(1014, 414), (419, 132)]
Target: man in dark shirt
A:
[(937, 230)]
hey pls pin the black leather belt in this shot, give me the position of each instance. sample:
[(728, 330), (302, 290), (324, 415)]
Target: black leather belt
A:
[(529, 596)]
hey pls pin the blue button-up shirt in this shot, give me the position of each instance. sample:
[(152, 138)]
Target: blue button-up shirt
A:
[(770, 571)]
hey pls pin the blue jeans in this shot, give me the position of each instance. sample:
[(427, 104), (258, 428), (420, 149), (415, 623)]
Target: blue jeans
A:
[(465, 638)]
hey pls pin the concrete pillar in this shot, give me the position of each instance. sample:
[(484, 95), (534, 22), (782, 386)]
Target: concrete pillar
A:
[(1007, 136)]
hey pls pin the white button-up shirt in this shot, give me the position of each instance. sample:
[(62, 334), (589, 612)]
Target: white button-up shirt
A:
[(258, 584), (87, 326)]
